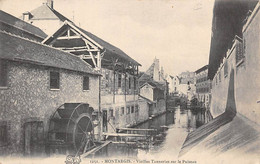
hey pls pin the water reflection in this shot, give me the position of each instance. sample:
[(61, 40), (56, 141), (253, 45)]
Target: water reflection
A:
[(179, 123)]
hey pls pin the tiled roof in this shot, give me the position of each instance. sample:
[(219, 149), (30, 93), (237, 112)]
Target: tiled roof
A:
[(110, 49), (45, 12), (23, 50), (20, 25)]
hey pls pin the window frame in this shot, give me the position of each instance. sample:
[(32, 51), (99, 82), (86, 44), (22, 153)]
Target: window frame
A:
[(3, 133), (128, 110), (88, 86), (58, 88), (132, 109), (122, 111), (4, 66), (119, 77)]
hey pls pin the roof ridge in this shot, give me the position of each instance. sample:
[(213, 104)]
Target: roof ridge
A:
[(39, 43)]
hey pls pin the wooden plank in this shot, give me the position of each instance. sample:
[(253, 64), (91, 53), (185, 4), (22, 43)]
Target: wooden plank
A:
[(95, 149), (135, 129), (122, 142), (68, 37), (123, 135)]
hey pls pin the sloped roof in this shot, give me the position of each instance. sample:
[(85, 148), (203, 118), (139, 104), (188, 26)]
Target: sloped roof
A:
[(228, 17), (148, 100), (20, 25), (224, 135), (151, 82), (144, 78), (111, 49), (23, 50), (150, 70), (45, 12), (202, 69)]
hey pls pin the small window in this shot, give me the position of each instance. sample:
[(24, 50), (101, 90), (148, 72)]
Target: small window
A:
[(129, 84), (3, 73), (85, 83), (119, 80), (134, 83), (3, 134), (111, 113), (226, 69), (136, 108), (132, 109), (54, 80), (219, 77), (128, 109), (122, 110)]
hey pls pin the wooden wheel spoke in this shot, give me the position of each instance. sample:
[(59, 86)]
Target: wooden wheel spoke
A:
[(87, 127), (81, 129)]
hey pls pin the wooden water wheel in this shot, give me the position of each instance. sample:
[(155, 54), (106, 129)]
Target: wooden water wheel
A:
[(71, 129)]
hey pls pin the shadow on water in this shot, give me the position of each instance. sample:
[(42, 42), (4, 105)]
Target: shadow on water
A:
[(167, 124)]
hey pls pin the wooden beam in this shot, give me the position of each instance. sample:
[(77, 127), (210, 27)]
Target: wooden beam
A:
[(92, 56), (69, 37), (98, 60), (77, 48), (123, 135), (135, 129), (96, 149)]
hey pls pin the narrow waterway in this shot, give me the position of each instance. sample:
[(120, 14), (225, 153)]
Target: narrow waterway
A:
[(176, 125)]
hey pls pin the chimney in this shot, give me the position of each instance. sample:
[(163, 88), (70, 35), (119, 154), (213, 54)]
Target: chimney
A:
[(50, 3)]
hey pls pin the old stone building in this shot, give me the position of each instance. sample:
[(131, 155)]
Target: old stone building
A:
[(239, 66), (203, 86), (153, 90), (35, 81), (118, 84), (186, 86), (174, 83)]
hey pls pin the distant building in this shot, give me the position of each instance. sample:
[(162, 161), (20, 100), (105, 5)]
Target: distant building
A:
[(187, 86), (174, 83), (45, 17), (153, 90), (203, 90)]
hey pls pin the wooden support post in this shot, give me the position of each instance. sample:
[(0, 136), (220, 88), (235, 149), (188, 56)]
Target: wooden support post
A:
[(98, 60)]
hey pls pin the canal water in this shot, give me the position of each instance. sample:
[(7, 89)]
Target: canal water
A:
[(176, 126)]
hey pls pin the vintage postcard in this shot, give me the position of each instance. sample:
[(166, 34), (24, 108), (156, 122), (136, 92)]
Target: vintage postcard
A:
[(129, 81)]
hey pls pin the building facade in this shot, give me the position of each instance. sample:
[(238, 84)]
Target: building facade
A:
[(203, 86), (35, 81), (153, 90), (186, 86), (118, 84), (239, 69)]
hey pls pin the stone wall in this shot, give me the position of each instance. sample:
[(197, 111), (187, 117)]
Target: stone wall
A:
[(246, 73), (28, 97), (220, 83)]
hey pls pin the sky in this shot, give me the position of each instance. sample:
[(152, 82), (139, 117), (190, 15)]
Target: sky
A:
[(177, 32)]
